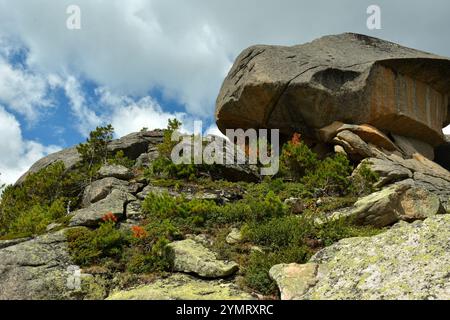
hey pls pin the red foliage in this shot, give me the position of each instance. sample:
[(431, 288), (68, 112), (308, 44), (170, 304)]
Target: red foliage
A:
[(109, 217), (296, 139), (139, 232)]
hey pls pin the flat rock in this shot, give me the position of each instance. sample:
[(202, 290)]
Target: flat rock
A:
[(115, 171), (192, 257), (349, 77), (183, 287)]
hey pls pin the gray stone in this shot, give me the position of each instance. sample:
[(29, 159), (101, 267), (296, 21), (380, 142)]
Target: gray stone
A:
[(388, 206), (41, 269), (115, 171), (408, 262), (353, 145), (134, 210), (183, 287), (135, 144), (100, 189), (294, 280), (349, 77), (92, 216), (192, 257), (410, 146)]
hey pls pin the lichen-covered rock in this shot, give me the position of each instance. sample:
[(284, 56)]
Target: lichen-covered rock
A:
[(294, 280), (409, 261), (235, 236), (114, 203), (419, 204), (192, 257), (183, 287), (348, 77), (41, 268), (115, 171)]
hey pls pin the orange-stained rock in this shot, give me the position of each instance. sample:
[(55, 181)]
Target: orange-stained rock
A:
[(349, 78)]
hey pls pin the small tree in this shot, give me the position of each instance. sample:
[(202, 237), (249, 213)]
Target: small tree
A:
[(94, 152)]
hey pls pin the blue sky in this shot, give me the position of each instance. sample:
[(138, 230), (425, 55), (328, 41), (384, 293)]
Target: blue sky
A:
[(137, 63)]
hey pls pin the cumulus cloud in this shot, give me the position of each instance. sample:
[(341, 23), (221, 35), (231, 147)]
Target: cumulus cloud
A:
[(128, 115), (17, 154), (23, 91)]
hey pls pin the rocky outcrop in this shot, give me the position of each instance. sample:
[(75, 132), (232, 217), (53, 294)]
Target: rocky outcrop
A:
[(100, 189), (133, 145), (114, 204), (392, 204), (183, 287), (115, 171), (41, 269), (192, 257), (417, 171), (410, 261), (70, 157), (348, 77), (137, 143)]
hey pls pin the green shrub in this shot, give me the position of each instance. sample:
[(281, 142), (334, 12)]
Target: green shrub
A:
[(331, 176), (297, 159), (89, 247), (120, 159), (42, 198)]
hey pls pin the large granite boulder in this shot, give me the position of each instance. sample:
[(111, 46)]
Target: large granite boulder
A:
[(348, 77), (407, 262)]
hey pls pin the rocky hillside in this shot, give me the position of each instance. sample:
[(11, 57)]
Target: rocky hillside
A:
[(359, 209)]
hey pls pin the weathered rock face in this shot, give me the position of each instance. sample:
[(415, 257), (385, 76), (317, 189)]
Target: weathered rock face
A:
[(192, 257), (183, 287), (70, 157), (390, 205), (38, 269), (100, 189), (115, 203), (410, 261), (133, 145), (349, 77)]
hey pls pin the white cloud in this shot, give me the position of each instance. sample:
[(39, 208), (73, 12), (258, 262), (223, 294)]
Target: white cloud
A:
[(22, 91), (128, 115), (17, 154)]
